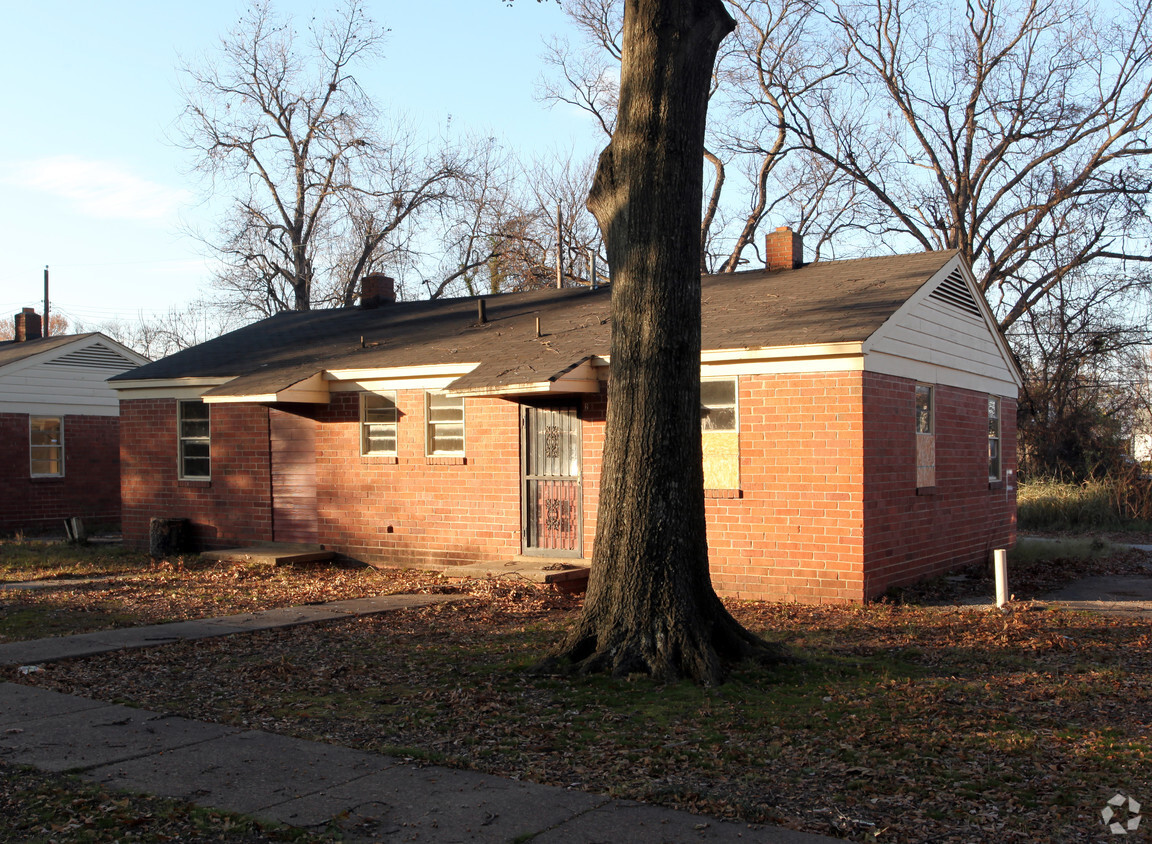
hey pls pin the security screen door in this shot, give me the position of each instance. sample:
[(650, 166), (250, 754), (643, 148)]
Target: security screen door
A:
[(550, 486)]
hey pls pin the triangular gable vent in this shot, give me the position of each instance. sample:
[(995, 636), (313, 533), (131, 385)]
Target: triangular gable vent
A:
[(953, 291), (96, 356)]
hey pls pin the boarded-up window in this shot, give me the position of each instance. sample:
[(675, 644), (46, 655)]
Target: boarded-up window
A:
[(378, 417), (994, 438), (719, 422), (194, 433), (46, 446), (444, 433), (925, 436)]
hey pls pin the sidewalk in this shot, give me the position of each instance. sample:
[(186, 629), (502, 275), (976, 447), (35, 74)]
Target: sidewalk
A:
[(368, 797)]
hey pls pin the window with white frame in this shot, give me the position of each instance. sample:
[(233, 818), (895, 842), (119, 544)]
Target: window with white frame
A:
[(378, 417), (444, 430), (46, 446), (925, 436), (994, 438), (718, 404), (719, 434), (194, 431)]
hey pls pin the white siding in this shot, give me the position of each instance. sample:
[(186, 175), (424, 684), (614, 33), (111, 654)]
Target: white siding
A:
[(935, 342), (45, 385)]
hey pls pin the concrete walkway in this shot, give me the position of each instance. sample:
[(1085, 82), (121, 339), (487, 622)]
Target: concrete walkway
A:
[(312, 785)]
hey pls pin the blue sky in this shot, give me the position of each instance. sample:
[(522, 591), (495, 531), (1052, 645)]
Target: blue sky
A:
[(93, 186)]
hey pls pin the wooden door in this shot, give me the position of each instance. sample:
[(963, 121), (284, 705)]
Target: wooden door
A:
[(293, 453), (551, 516)]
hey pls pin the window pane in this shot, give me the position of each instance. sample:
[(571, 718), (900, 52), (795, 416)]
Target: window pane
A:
[(923, 409), (714, 393), (194, 410), (197, 467), (49, 465), (379, 408), (719, 418), (718, 405), (194, 428), (993, 458)]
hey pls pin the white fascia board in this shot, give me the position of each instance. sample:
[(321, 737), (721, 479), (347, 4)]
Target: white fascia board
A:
[(166, 388), (561, 386)]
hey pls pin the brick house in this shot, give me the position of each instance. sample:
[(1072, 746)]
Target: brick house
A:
[(858, 428), (59, 427)]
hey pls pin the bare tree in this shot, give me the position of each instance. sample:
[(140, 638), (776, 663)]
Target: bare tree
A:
[(753, 168), (1014, 132), (1085, 378), (319, 188)]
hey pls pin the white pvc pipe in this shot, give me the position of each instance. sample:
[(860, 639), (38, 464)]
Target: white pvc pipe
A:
[(1000, 563)]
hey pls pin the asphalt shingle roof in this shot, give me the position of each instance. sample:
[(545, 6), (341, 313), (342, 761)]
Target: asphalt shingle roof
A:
[(825, 302)]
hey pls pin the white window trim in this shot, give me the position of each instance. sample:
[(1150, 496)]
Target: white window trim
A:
[(33, 474), (428, 428), (735, 403), (999, 438), (364, 452), (180, 440)]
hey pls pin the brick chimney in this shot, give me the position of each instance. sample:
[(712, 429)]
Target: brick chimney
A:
[(28, 325), (783, 250), (376, 289)]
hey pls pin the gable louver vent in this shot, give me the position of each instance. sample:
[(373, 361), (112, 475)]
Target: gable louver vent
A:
[(953, 291), (96, 356)]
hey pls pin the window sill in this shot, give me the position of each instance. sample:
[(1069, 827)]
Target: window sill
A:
[(386, 459), (194, 482), (925, 490), (45, 479), (457, 460), (723, 493)]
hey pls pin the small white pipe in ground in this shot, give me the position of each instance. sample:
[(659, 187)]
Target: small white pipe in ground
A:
[(1000, 563)]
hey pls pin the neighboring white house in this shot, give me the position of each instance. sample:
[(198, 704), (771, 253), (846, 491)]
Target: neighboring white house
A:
[(59, 427)]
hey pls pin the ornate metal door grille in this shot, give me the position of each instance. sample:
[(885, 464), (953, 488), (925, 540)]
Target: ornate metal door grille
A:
[(550, 458)]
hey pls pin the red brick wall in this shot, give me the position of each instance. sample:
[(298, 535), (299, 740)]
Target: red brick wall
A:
[(827, 509), (90, 487), (909, 537), (795, 531), (234, 507), (417, 510)]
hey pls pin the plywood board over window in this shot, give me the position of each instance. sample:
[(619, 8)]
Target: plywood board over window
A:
[(925, 436), (719, 422)]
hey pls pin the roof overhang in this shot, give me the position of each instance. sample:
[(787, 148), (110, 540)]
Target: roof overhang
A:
[(581, 378), (311, 390), (153, 388)]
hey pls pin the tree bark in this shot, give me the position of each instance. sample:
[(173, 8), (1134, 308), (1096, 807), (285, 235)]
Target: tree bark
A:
[(650, 606)]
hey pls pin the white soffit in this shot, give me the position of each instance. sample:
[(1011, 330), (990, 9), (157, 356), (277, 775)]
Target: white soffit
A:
[(424, 377)]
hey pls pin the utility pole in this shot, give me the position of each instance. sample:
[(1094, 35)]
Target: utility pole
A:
[(44, 332)]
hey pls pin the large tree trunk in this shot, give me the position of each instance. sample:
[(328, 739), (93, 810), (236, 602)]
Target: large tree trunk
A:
[(650, 605)]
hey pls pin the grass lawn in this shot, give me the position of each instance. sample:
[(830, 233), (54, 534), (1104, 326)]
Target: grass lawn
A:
[(904, 722)]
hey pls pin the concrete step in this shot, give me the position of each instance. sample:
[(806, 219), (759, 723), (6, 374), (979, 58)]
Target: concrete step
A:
[(271, 554), (570, 572)]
